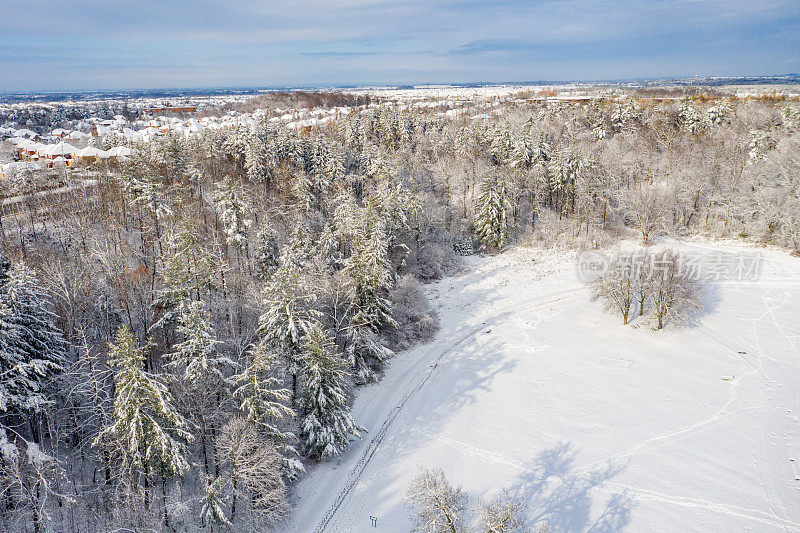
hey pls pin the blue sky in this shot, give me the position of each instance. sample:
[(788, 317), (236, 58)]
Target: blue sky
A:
[(102, 44)]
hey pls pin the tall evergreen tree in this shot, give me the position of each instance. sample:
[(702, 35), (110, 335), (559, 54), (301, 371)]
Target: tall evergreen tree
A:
[(265, 403), (32, 348), (326, 424), (287, 317), (146, 425), (491, 220), (197, 356), (370, 272), (233, 213)]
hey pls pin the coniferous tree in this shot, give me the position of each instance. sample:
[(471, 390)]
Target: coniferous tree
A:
[(370, 272), (326, 424), (491, 220), (197, 356), (32, 348), (233, 213), (145, 425), (287, 317), (212, 512), (265, 404)]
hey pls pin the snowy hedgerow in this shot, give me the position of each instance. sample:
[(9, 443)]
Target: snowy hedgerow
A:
[(326, 424)]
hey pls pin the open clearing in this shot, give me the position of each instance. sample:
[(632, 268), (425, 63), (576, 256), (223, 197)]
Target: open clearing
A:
[(530, 386)]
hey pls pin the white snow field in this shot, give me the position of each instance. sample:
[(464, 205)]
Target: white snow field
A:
[(530, 386)]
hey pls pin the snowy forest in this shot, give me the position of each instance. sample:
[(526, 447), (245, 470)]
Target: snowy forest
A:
[(182, 341)]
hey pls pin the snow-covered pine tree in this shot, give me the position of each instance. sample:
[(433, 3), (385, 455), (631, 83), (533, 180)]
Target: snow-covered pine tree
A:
[(394, 203), (502, 145), (333, 168), (328, 247), (522, 154), (267, 254), (145, 423), (32, 348), (235, 145), (233, 213), (144, 189), (287, 316), (688, 117), (303, 191), (212, 512), (370, 272), (756, 147), (265, 403), (188, 271), (197, 357), (326, 424), (563, 172), (491, 220)]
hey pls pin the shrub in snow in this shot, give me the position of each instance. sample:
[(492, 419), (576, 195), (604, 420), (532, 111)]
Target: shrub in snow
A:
[(416, 321), (434, 261), (463, 246)]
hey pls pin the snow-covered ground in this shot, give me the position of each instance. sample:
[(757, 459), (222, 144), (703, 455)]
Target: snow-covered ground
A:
[(600, 427)]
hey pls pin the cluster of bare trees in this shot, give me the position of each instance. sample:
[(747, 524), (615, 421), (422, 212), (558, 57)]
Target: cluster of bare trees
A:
[(437, 506), (658, 282)]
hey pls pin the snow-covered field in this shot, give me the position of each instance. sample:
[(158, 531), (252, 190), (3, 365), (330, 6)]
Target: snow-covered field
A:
[(601, 427)]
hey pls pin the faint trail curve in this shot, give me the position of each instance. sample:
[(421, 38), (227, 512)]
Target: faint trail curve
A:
[(699, 503), (358, 469)]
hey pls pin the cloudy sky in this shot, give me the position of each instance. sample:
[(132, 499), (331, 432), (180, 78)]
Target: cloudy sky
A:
[(103, 44)]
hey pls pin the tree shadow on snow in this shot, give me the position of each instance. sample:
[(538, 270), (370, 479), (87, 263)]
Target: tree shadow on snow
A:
[(562, 499)]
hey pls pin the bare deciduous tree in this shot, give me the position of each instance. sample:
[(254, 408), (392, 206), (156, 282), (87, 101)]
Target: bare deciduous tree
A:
[(647, 204), (616, 291), (675, 294), (438, 506), (502, 514), (254, 469)]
